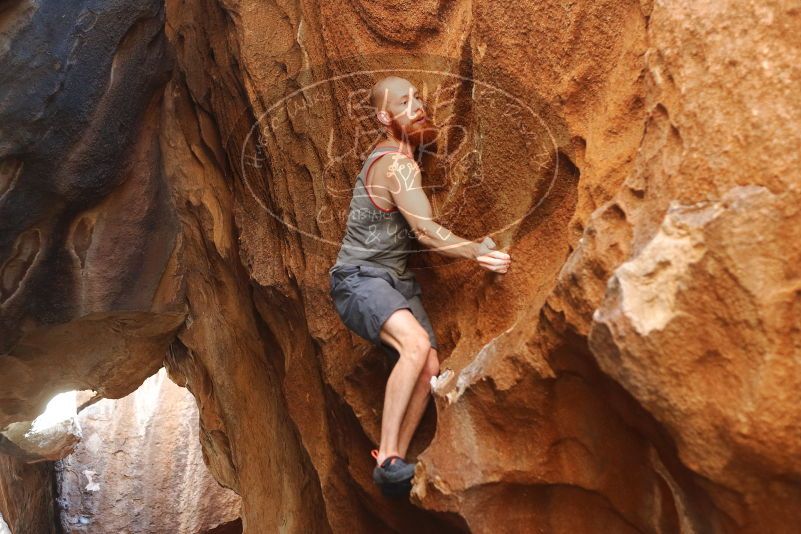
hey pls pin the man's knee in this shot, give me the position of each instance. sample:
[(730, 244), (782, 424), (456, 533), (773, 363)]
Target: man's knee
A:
[(431, 367), (415, 347), (403, 332)]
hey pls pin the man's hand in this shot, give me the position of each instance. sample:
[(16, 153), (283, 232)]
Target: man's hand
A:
[(492, 260)]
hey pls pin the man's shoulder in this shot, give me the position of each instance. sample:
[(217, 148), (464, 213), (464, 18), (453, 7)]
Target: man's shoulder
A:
[(395, 165)]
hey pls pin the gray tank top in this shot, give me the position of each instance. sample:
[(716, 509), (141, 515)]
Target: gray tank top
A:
[(375, 236)]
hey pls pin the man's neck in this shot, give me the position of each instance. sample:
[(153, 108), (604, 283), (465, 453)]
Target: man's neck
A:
[(397, 144)]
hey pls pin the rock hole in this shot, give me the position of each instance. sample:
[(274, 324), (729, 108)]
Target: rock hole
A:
[(19, 264), (614, 213), (137, 442)]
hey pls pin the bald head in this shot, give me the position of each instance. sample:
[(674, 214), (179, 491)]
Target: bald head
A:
[(400, 110), (388, 89)]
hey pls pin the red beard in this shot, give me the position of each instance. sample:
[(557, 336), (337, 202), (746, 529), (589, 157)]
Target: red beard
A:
[(416, 133)]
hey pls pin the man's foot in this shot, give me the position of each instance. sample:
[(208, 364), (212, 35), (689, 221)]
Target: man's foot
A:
[(397, 489), (394, 475)]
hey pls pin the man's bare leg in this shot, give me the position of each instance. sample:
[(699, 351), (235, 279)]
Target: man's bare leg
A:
[(404, 333), (418, 403)]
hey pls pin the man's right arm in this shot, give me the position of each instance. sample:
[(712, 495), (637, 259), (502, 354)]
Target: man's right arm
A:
[(407, 192)]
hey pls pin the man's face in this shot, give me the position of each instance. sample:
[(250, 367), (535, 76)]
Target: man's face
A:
[(408, 119)]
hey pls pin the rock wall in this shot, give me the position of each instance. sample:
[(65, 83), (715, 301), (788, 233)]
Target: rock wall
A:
[(635, 370), (87, 227), (27, 496)]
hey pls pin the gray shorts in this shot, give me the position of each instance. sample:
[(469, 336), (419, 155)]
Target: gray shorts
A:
[(366, 296)]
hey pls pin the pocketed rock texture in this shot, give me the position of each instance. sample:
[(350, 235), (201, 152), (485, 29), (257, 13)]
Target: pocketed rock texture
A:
[(140, 468), (174, 185)]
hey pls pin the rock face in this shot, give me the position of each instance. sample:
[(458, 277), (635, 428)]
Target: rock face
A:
[(703, 332), (635, 371), (86, 291), (139, 468), (26, 496)]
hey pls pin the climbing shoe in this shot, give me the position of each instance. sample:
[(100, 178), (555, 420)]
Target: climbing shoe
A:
[(397, 489), (394, 475)]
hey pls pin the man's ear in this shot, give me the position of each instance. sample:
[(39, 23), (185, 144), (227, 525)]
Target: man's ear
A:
[(383, 117)]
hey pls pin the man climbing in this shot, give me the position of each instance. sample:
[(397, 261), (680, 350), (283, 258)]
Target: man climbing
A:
[(374, 293)]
